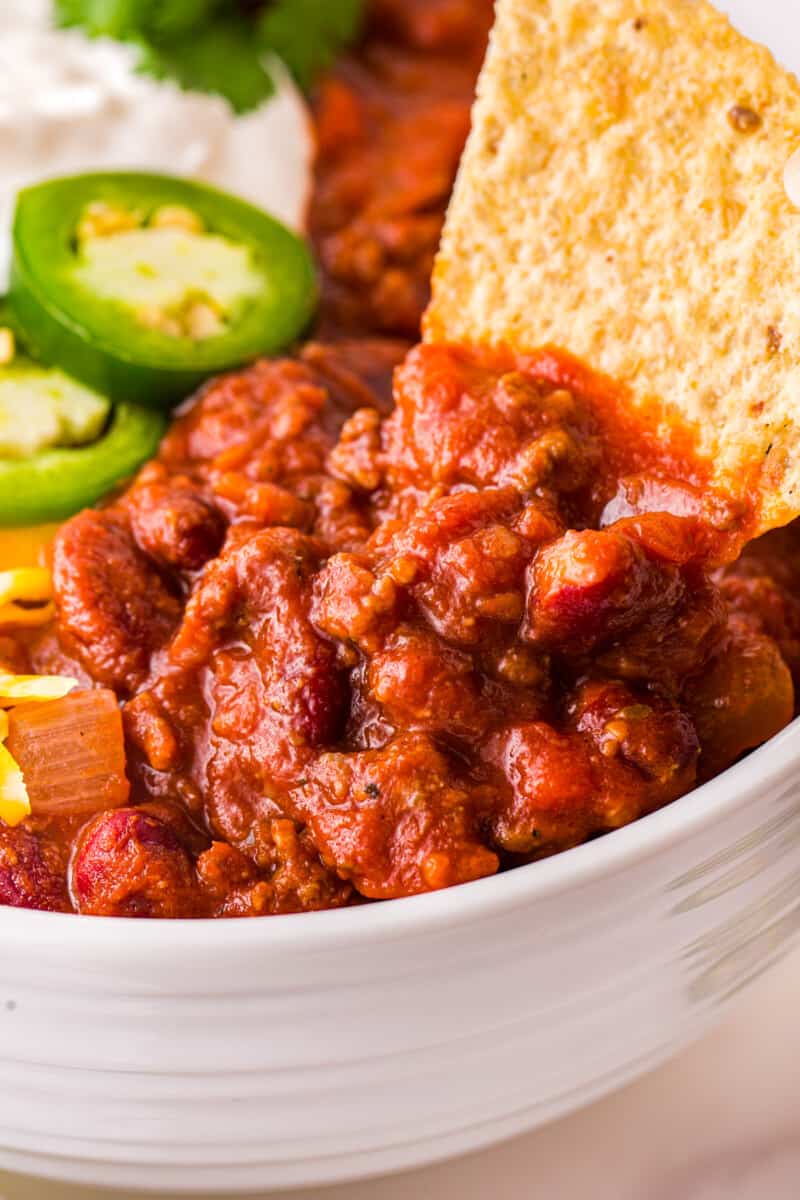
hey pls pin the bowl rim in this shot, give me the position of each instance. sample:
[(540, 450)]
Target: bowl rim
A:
[(123, 937)]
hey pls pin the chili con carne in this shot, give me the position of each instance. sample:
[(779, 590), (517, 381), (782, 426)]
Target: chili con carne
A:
[(381, 622)]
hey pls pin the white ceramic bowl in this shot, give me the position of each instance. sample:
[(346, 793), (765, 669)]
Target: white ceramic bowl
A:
[(235, 1055)]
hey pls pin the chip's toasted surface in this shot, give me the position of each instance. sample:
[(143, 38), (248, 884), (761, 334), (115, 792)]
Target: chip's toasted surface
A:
[(622, 196)]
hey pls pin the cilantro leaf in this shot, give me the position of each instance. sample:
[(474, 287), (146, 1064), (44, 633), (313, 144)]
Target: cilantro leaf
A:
[(222, 58), (135, 18), (308, 34), (220, 46)]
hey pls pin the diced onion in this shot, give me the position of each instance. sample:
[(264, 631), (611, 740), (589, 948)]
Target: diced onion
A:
[(71, 752)]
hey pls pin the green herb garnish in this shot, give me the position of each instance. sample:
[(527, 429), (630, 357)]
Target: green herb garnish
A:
[(221, 57), (136, 18), (308, 34), (221, 47)]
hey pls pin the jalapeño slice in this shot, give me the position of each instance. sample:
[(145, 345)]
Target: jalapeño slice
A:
[(62, 444), (141, 285), (55, 483)]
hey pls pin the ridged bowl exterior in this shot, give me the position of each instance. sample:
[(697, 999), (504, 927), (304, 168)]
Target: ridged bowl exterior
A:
[(298, 1050)]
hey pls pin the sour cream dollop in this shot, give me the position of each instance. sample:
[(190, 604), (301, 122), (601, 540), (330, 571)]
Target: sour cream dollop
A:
[(70, 104)]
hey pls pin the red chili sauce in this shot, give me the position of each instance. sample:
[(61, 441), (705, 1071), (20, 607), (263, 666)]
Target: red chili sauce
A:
[(368, 647)]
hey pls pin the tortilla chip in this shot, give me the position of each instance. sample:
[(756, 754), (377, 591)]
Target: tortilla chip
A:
[(622, 197)]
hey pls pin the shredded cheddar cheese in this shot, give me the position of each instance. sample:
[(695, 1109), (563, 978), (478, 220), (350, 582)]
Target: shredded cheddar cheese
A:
[(15, 803), (27, 546), (25, 596), (25, 583), (14, 689), (26, 599)]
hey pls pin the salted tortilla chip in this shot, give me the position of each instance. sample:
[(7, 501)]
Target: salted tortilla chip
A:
[(622, 197)]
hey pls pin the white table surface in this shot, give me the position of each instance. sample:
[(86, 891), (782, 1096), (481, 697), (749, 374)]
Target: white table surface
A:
[(720, 1122)]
